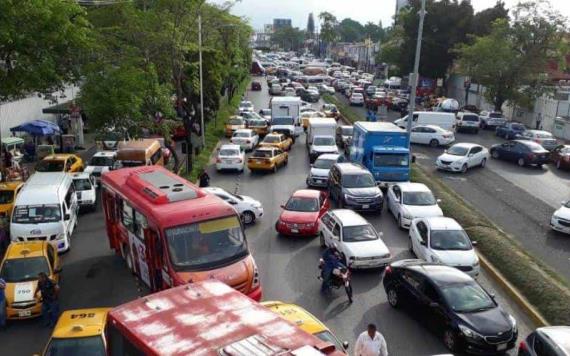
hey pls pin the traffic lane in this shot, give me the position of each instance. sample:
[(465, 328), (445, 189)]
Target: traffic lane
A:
[(521, 215), (92, 276)]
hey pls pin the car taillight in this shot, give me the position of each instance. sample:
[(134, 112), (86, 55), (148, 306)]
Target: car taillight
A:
[(218, 160), (567, 158), (446, 136), (256, 282), (388, 269), (523, 346), (247, 141)]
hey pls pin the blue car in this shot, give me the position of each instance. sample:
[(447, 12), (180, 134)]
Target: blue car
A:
[(522, 152), (510, 130)]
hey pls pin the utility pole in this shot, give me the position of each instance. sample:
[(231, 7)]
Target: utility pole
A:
[(414, 76), (202, 127)]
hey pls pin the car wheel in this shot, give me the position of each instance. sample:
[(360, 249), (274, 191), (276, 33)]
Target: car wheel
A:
[(450, 340), (393, 297), (495, 154), (558, 164), (322, 240), (521, 162), (483, 163), (464, 168), (434, 143), (247, 217), (410, 246)]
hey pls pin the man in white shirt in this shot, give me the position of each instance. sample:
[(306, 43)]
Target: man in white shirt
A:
[(371, 343)]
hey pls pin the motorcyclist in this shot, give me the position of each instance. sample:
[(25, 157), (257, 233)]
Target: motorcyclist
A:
[(332, 260)]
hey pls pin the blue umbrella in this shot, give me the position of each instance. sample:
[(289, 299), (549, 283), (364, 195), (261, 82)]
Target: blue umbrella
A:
[(37, 128)]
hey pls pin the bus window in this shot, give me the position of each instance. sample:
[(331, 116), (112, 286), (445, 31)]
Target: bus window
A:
[(156, 156), (127, 216), (140, 225)]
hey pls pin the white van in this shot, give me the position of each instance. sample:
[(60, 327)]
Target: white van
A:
[(46, 210), (445, 120)]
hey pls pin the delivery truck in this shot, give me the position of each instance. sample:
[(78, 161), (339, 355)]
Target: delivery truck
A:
[(283, 108)]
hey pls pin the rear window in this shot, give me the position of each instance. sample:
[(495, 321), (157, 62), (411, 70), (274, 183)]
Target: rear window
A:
[(544, 135), (518, 127), (470, 118), (496, 115), (534, 147)]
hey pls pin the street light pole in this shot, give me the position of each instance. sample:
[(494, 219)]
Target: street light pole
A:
[(202, 127), (414, 76)]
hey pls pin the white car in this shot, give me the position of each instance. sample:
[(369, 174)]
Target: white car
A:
[(85, 190), (431, 135), (357, 240), (289, 92), (407, 201), (245, 138), (560, 220), (230, 157), (443, 240), (245, 106), (322, 145), (356, 99), (462, 156), (325, 89), (319, 173), (265, 113), (100, 163), (248, 208)]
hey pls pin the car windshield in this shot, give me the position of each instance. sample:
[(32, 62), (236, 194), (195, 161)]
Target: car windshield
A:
[(358, 181), (466, 297), (229, 152), (358, 233), (246, 104), (82, 184), (282, 121), (50, 166), (328, 337), (324, 163), (324, 141), (236, 122), (257, 123), (347, 131), (390, 160), (271, 139), (101, 161), (206, 244), (261, 154), (35, 214), (24, 269), (89, 346), (302, 204), (457, 150), (450, 240), (6, 196), (242, 134), (419, 198)]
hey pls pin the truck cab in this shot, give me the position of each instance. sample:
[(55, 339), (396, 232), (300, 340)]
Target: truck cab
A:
[(382, 148)]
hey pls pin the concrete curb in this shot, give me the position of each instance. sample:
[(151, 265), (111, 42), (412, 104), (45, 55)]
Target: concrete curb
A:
[(513, 292)]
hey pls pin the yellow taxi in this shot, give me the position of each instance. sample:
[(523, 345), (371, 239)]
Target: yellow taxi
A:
[(20, 267), (79, 332), (260, 127), (267, 159), (8, 193), (309, 114), (306, 321), (234, 123), (330, 110), (279, 141), (60, 162)]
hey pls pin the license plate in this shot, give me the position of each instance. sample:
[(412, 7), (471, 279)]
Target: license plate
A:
[(259, 162), (501, 347), (23, 313), (227, 161), (295, 231), (365, 206)]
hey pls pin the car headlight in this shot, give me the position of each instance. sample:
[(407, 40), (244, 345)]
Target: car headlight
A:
[(60, 236), (349, 197), (407, 215), (457, 163), (469, 332), (513, 323)]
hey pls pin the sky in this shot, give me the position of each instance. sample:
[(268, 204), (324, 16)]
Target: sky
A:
[(260, 12)]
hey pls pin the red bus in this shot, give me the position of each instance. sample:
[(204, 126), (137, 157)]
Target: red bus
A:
[(206, 318), (171, 232)]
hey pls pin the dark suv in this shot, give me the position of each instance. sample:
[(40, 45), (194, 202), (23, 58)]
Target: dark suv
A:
[(354, 187), (452, 304)]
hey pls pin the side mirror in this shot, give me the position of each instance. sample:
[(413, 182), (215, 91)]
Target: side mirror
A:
[(474, 243), (563, 202), (312, 165), (232, 202), (282, 206), (58, 269), (67, 216), (423, 242), (492, 295), (433, 305), (438, 201), (444, 151), (345, 344), (470, 155)]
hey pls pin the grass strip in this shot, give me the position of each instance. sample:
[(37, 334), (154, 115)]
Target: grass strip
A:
[(215, 131)]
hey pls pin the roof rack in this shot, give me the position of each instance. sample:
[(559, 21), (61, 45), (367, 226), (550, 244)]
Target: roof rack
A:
[(161, 187)]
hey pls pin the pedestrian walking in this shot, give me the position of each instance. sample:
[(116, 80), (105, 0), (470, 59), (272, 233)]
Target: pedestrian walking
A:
[(539, 121), (2, 304), (204, 179), (50, 295), (371, 343)]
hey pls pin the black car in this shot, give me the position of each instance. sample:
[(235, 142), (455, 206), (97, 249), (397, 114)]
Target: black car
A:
[(549, 340), (452, 304), (522, 152), (309, 95)]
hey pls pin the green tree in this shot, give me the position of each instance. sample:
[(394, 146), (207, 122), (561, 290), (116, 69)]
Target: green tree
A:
[(375, 32), (329, 26), (483, 20), (350, 31), (42, 45)]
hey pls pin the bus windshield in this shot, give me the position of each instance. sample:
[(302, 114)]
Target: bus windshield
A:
[(206, 244)]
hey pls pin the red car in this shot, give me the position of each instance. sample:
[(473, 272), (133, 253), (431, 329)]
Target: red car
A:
[(560, 156), (255, 86), (301, 214)]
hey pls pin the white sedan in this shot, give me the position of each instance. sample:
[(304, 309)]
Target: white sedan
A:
[(245, 138), (462, 156), (407, 201), (230, 157), (245, 106), (356, 99), (248, 208), (443, 240), (431, 135), (560, 220)]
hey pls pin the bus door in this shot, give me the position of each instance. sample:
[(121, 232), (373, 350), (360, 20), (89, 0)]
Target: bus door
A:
[(109, 207), (135, 253), (158, 268)]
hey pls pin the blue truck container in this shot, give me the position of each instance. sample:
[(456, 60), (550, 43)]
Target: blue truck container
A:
[(382, 147)]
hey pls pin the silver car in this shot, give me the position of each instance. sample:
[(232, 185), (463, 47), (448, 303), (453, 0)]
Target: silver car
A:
[(543, 138)]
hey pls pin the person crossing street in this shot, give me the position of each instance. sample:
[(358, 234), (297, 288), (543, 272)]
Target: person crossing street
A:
[(371, 343)]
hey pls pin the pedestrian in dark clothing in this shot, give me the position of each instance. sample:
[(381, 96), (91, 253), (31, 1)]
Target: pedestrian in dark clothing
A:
[(7, 159), (4, 237), (50, 305), (204, 179), (2, 303)]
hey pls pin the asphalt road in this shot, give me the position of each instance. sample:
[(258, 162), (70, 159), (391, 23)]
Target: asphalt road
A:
[(92, 276), (520, 200)]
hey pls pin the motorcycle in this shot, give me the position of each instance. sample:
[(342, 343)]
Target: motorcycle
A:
[(340, 278)]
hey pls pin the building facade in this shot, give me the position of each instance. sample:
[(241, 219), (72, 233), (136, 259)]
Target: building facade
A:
[(281, 23)]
